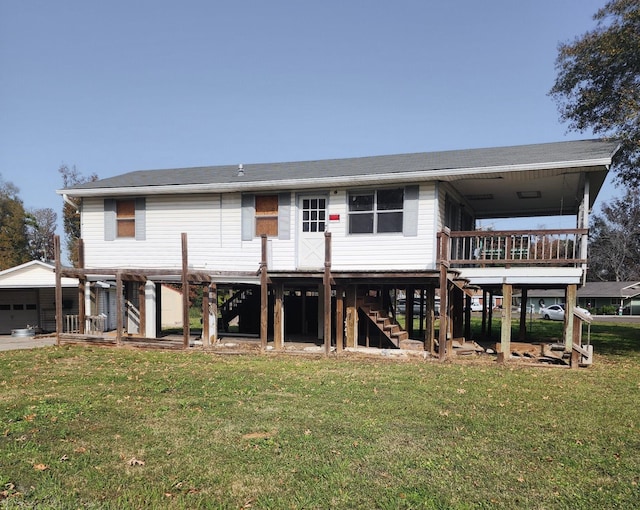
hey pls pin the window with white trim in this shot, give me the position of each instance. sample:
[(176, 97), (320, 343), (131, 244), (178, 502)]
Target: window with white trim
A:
[(376, 211)]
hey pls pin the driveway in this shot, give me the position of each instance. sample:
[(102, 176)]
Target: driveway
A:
[(9, 343)]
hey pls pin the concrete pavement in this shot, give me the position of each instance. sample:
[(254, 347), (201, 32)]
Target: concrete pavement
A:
[(9, 343)]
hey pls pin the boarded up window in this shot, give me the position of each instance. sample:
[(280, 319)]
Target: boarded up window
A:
[(267, 215), (126, 218)]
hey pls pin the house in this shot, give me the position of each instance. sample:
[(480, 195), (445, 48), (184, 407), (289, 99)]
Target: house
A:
[(27, 297), (611, 297), (318, 249)]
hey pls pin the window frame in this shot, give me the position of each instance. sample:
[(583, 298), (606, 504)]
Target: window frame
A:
[(126, 218), (376, 210), (268, 217)]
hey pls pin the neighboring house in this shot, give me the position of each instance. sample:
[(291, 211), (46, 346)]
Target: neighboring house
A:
[(611, 297), (598, 297), (27, 297), (299, 248)]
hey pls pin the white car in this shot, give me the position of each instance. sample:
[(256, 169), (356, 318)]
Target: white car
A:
[(556, 312), (476, 307)]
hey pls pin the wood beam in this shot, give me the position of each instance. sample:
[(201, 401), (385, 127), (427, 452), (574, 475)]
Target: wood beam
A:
[(570, 303), (505, 333), (522, 331), (278, 316), (339, 319), (264, 294), (58, 298), (119, 309), (430, 329), (351, 318), (186, 330), (326, 291)]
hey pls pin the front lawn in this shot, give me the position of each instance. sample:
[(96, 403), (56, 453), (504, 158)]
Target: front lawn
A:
[(117, 428)]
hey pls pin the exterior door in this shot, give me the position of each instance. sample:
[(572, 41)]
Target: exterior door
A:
[(312, 223)]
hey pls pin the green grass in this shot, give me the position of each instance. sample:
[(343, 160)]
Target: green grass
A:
[(119, 428)]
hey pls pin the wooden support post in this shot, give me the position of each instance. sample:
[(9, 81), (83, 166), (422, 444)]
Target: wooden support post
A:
[(351, 318), (278, 317), (505, 333), (485, 313), (206, 325), (490, 316), (570, 303), (339, 319), (467, 317), (213, 313), (445, 241), (58, 298), (142, 308), (119, 308), (422, 315), (445, 316), (522, 332), (430, 330), (327, 292), (409, 299), (186, 330), (264, 293), (82, 288)]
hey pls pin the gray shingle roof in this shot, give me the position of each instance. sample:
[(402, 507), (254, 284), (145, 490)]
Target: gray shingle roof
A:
[(542, 154), (610, 289)]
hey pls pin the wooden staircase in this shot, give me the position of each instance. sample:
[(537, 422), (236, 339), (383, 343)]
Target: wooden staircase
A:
[(371, 307)]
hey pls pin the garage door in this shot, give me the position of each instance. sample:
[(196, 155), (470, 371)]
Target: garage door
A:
[(18, 308)]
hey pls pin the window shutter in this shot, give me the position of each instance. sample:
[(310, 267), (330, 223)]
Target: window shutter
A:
[(141, 219), (284, 216), (410, 211), (248, 217), (109, 219)]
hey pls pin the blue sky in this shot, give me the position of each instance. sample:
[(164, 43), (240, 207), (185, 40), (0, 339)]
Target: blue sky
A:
[(117, 86)]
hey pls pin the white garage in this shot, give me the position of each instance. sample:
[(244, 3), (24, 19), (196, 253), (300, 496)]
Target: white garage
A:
[(27, 297)]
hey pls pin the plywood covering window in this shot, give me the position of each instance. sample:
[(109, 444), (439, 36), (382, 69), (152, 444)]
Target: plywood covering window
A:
[(267, 215), (126, 218)]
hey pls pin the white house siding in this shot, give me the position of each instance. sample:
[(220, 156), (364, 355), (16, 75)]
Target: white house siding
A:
[(383, 251), (211, 222), (213, 226)]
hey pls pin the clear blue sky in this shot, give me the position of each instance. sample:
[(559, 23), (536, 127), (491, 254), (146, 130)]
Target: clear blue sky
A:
[(120, 85)]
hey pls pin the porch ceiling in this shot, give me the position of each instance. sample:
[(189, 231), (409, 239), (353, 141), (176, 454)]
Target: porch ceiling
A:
[(533, 193)]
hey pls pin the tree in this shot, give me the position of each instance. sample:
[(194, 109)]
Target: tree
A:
[(41, 228), (614, 248), (70, 216), (13, 229), (598, 82)]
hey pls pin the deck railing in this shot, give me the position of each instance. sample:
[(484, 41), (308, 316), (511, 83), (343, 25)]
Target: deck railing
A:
[(566, 248)]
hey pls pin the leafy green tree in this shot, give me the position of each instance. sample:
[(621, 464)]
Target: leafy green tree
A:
[(70, 216), (13, 228), (614, 248), (598, 82), (41, 229)]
